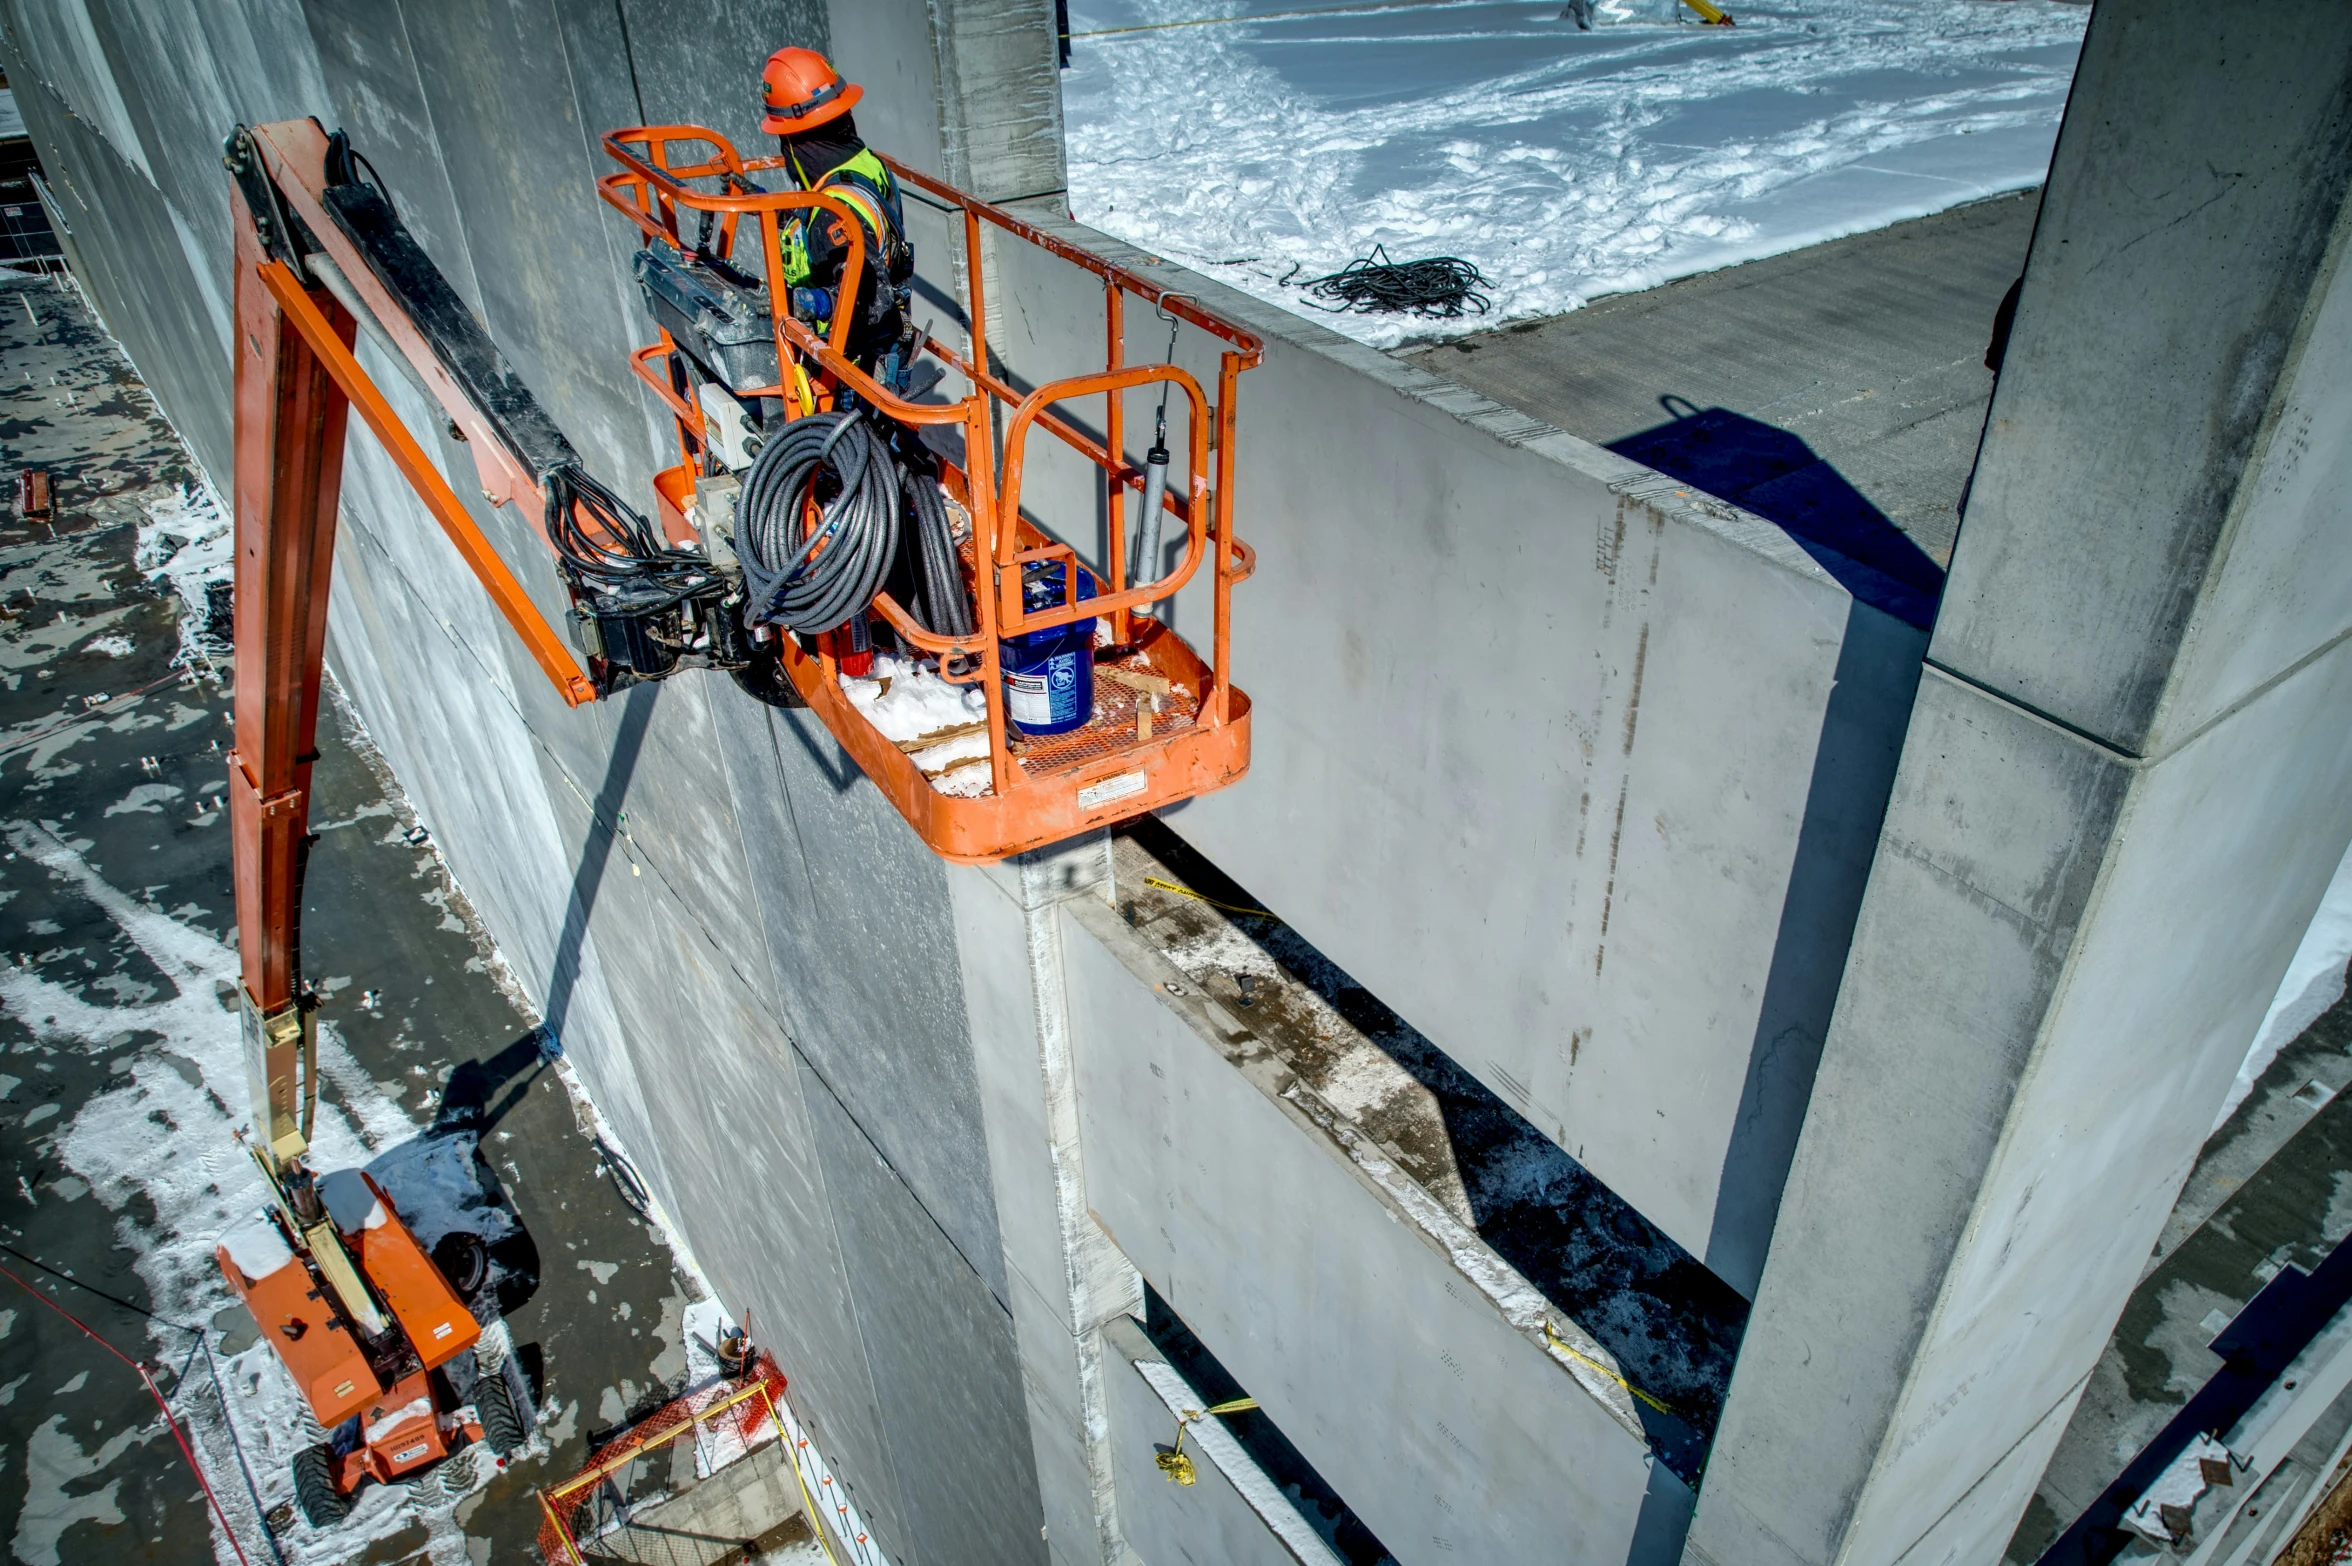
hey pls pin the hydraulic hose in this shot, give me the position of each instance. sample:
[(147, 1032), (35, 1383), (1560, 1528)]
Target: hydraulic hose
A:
[(945, 608), (819, 582)]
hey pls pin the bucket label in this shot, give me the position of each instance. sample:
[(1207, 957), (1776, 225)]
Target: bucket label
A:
[(1046, 695), (1027, 699)]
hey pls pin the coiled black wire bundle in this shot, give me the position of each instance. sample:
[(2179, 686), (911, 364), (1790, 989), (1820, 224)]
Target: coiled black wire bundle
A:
[(819, 582), (629, 561), (1442, 288), (816, 583)]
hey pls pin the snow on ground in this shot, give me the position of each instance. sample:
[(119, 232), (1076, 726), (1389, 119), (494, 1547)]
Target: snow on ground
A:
[(172, 1196), (1565, 164), (186, 541)]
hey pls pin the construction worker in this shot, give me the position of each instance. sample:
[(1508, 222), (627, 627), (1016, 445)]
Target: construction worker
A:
[(808, 105)]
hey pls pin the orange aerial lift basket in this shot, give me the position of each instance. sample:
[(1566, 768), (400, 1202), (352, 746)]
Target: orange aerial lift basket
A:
[(1167, 724)]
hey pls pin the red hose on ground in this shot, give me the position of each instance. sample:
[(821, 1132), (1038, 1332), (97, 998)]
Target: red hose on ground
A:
[(161, 1407)]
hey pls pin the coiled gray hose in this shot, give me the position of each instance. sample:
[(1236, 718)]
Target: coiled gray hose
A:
[(789, 584), (788, 581)]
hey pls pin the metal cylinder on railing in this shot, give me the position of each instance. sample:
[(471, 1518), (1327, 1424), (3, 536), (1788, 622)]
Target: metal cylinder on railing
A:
[(1145, 567)]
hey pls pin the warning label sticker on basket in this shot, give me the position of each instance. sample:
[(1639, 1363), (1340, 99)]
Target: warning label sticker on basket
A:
[(1108, 789)]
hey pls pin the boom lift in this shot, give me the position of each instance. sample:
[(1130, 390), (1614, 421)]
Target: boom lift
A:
[(374, 1330)]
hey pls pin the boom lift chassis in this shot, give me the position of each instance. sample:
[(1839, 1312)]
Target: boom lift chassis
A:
[(373, 1331)]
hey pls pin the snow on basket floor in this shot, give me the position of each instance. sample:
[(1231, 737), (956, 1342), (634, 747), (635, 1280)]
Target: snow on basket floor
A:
[(1566, 165)]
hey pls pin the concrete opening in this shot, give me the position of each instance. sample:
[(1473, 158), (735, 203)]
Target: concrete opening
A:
[(1673, 1326)]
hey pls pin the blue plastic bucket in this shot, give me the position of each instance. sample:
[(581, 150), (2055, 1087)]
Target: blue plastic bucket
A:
[(1049, 675)]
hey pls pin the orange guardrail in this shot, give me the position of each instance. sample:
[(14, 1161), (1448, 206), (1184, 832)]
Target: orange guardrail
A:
[(1190, 734)]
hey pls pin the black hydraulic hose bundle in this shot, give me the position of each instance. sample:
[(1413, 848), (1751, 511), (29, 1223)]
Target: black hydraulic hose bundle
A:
[(945, 608), (630, 560), (862, 490), (1442, 288), (817, 583)]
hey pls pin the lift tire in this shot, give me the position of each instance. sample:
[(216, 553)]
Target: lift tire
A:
[(763, 679), (323, 1506), (502, 1426), (464, 1261)]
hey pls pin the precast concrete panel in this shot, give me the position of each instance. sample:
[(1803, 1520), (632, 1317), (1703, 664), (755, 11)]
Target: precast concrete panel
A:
[(376, 96), (697, 62), (2054, 1239), (1376, 1353), (1207, 1522), (991, 937), (550, 258), (2087, 553), (2126, 787), (65, 45), (859, 938), (1585, 768), (123, 238), (944, 1366)]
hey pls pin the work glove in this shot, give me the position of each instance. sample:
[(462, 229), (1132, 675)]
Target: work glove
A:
[(813, 305)]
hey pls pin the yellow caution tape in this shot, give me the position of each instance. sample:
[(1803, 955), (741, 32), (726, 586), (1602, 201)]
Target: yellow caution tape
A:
[(1586, 1359), (1186, 891)]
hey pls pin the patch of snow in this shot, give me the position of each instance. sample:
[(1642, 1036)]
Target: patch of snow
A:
[(145, 799), (110, 646), (188, 541), (349, 1201), (257, 1247), (1566, 165), (174, 1197), (52, 1460), (2314, 982), (2181, 1483), (909, 701), (421, 1408)]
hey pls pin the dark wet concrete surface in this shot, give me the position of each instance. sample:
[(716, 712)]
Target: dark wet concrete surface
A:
[(2290, 1210), (116, 916)]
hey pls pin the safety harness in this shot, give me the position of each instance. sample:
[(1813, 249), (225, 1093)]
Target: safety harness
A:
[(866, 186)]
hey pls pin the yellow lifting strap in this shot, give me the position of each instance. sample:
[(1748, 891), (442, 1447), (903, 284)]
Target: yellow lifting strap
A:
[(1709, 13), (1553, 1338), (1176, 1462)]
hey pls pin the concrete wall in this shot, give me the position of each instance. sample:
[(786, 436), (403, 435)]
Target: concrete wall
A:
[(1334, 1290), (1580, 769), (1232, 1514), (747, 957), (2127, 783)]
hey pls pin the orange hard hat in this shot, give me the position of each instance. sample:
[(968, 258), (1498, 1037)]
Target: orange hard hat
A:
[(800, 90)]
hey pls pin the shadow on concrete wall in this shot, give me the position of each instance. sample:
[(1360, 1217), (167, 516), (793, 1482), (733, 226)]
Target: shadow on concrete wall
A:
[(595, 853), (1854, 762), (1775, 474)]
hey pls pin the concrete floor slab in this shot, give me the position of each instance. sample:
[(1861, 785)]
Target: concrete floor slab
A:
[(1869, 351)]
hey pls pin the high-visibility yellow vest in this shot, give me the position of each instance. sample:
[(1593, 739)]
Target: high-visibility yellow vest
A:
[(865, 185)]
